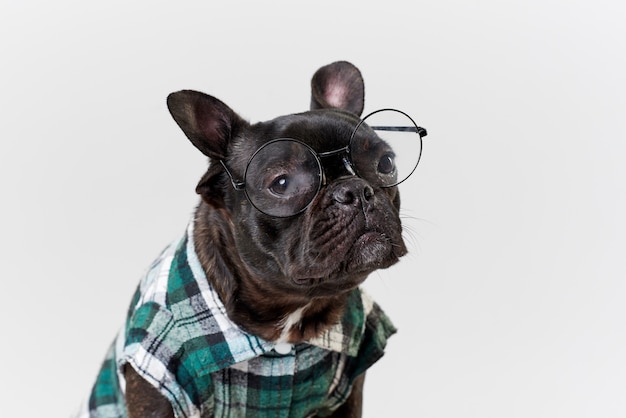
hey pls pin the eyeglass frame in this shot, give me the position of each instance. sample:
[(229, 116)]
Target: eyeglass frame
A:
[(420, 131)]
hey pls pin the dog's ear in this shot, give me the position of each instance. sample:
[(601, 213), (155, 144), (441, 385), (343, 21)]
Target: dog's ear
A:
[(210, 125), (338, 85), (207, 121)]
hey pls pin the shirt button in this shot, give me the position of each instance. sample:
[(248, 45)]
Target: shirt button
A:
[(283, 348)]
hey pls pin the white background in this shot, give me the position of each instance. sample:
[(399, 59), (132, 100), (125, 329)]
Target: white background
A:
[(512, 301)]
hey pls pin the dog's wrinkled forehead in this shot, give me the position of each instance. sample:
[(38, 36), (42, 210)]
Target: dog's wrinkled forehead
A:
[(323, 130)]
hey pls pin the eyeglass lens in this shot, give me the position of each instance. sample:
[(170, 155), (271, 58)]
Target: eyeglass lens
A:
[(283, 177), (386, 147)]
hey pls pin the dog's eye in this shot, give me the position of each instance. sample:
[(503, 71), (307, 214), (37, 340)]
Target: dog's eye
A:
[(292, 185), (280, 185), (386, 165)]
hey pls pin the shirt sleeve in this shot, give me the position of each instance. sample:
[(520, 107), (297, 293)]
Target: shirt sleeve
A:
[(153, 347), (378, 329)]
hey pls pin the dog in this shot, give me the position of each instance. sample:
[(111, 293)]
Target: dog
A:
[(257, 309)]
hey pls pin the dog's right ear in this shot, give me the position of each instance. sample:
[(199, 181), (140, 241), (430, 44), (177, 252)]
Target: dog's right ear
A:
[(208, 122), (338, 85)]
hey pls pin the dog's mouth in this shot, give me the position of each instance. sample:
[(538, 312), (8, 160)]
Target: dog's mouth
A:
[(372, 250), (349, 266), (372, 245)]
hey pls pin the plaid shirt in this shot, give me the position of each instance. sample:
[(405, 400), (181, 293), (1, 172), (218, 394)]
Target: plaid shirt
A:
[(178, 337)]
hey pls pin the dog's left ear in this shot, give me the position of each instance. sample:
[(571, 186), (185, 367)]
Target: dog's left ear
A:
[(340, 86)]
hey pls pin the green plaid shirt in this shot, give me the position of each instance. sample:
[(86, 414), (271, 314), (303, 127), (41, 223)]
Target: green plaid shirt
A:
[(178, 337)]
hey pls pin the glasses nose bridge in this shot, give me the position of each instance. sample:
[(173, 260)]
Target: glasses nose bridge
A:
[(343, 154)]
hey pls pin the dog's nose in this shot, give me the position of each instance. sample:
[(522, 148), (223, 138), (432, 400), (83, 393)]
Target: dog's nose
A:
[(353, 192)]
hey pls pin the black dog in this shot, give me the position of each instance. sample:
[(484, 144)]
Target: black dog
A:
[(257, 310)]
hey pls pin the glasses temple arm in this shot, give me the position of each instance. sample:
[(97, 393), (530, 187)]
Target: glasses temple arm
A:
[(416, 129), (238, 185)]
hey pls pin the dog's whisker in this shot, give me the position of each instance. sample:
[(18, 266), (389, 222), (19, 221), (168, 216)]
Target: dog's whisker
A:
[(411, 230)]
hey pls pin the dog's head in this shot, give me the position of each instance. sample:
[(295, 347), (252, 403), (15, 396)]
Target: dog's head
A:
[(308, 210)]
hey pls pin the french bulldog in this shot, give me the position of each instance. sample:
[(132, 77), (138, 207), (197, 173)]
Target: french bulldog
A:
[(292, 219)]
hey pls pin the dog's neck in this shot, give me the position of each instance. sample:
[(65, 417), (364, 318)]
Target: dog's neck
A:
[(253, 304)]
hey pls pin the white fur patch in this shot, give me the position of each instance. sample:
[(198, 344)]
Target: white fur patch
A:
[(290, 321)]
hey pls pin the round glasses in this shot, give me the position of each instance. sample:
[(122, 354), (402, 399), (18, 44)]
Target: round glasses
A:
[(284, 176)]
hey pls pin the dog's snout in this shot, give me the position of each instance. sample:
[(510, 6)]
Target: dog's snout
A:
[(353, 192)]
